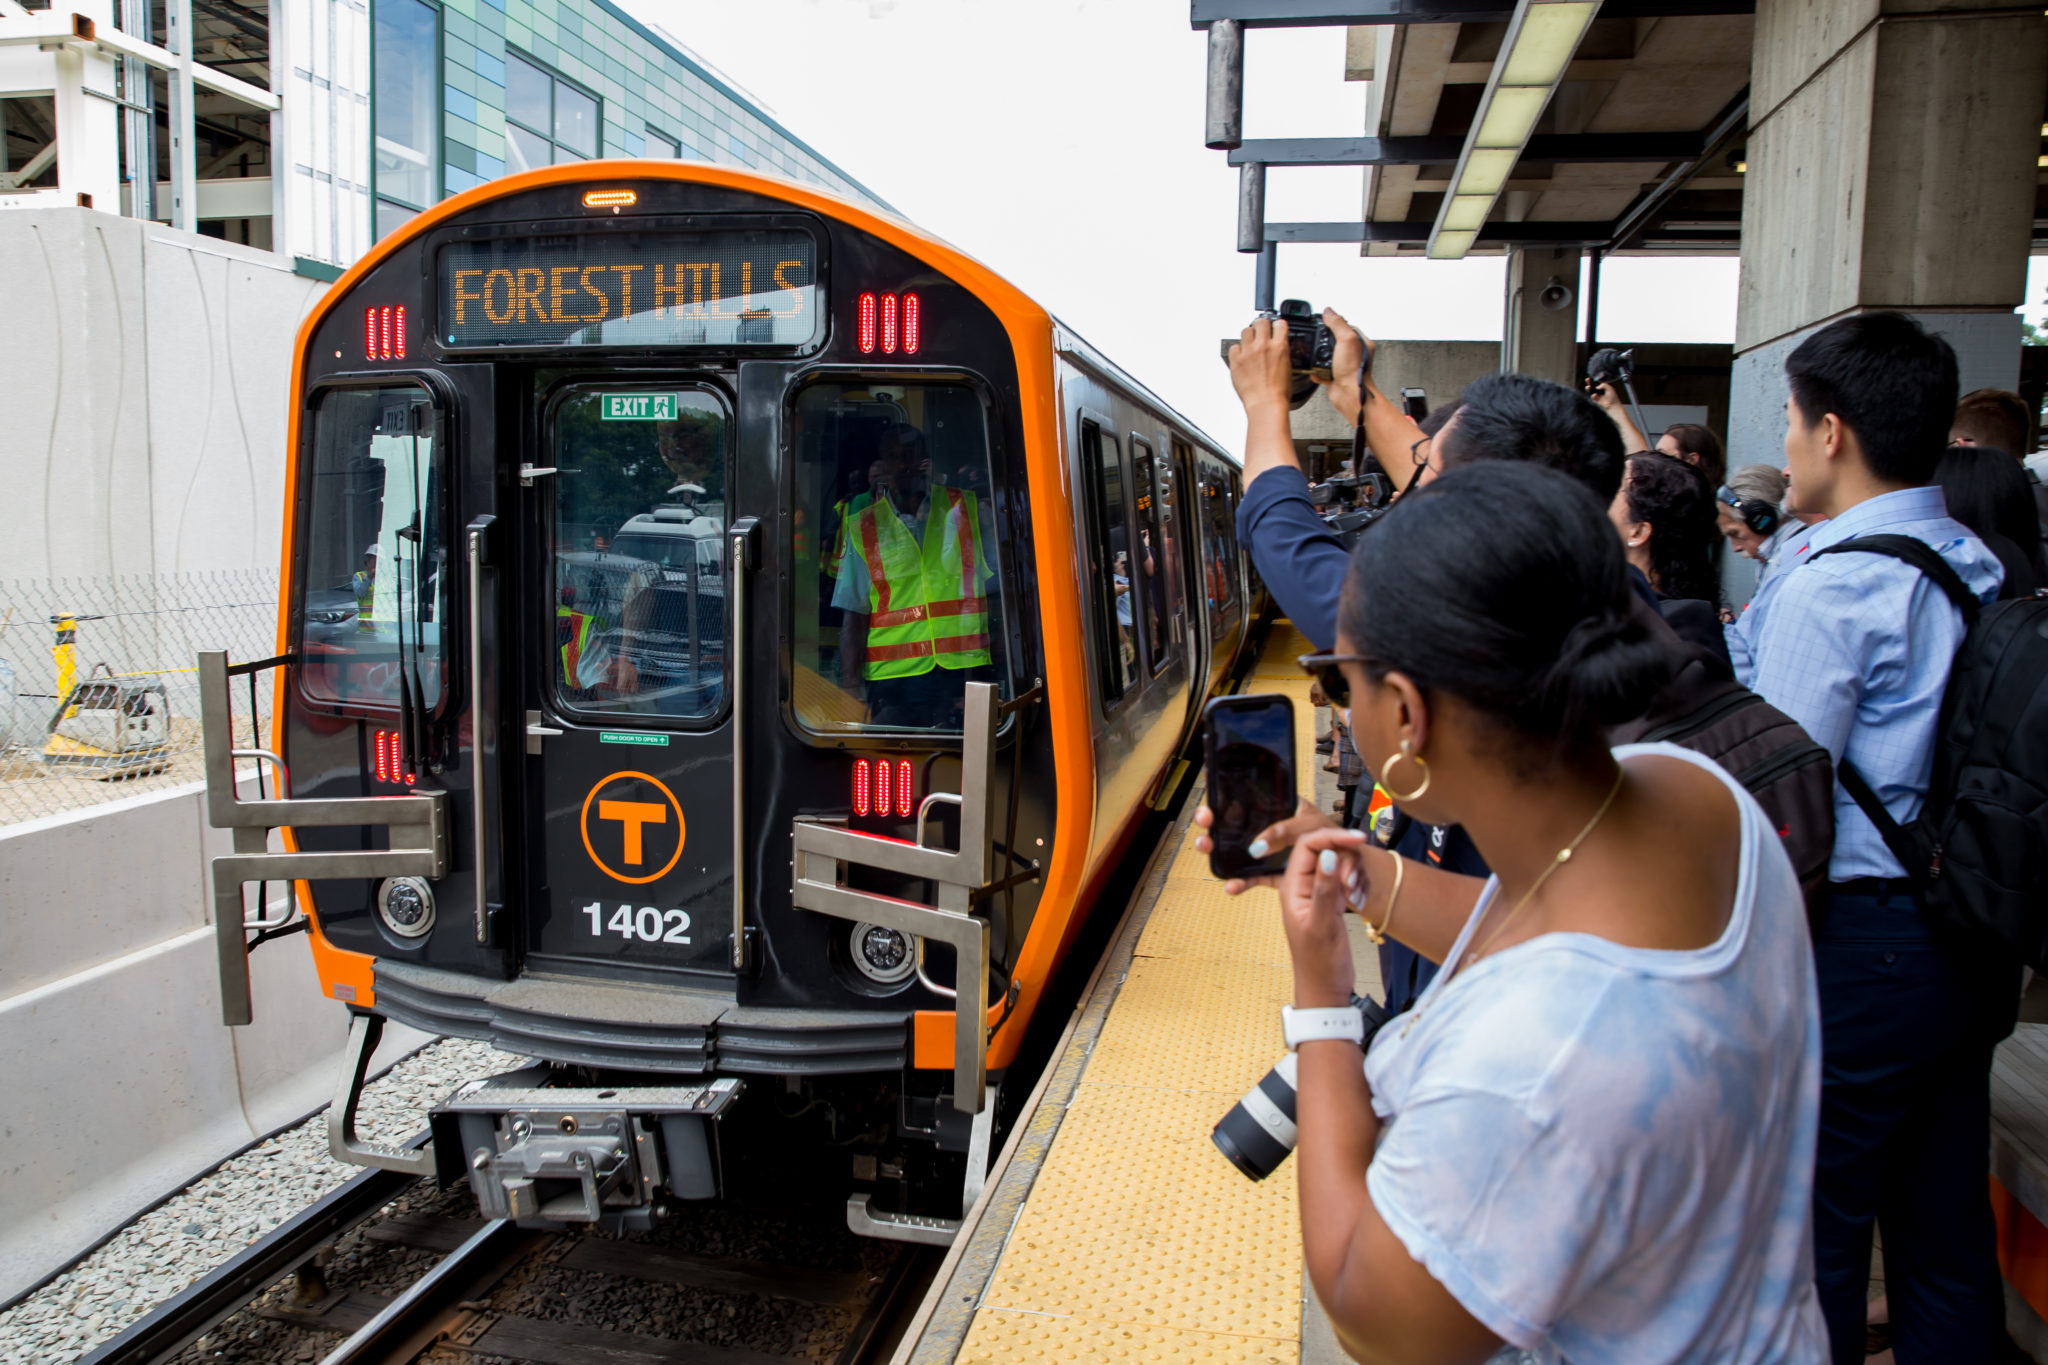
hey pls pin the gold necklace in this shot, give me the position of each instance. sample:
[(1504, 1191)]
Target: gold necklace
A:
[(1564, 855)]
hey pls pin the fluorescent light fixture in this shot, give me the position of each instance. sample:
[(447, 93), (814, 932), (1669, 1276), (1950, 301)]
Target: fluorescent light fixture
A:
[(1549, 36), (1487, 172), (1450, 246), (1467, 212), (1534, 55), (1511, 116)]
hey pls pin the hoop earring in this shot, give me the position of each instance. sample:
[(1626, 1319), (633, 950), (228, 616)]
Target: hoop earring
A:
[(1401, 798)]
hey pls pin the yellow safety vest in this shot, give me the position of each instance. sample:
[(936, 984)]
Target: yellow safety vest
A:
[(926, 608), (573, 630)]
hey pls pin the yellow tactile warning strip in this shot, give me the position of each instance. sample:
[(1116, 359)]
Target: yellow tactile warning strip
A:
[(1138, 1241)]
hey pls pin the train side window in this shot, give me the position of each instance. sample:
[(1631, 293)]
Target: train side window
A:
[(1173, 508), (1112, 539), (1219, 547), (1151, 576), (375, 575)]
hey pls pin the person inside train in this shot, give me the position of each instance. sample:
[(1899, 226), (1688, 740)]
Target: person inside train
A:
[(913, 582), (1592, 1136)]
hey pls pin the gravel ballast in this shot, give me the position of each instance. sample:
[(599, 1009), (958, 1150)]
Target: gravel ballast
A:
[(220, 1214)]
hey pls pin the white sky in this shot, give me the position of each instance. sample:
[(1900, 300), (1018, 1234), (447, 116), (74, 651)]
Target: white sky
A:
[(1060, 142)]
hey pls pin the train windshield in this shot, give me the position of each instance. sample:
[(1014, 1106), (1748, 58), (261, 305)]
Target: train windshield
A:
[(897, 582), (638, 591), (376, 573)]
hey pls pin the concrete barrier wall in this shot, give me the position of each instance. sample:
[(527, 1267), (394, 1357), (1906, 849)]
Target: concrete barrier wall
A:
[(148, 378), (121, 1083)]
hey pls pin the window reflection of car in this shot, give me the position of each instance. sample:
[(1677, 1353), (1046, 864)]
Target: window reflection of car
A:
[(656, 605)]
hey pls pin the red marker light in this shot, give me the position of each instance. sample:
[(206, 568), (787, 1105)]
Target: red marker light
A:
[(399, 330), (903, 786), (882, 793), (383, 762), (910, 324), (888, 324), (860, 786), (369, 334), (384, 332), (867, 329)]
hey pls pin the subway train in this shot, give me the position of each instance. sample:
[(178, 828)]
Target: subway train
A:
[(783, 630)]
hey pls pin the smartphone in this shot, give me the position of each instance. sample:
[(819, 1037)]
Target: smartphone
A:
[(1415, 403), (1248, 745)]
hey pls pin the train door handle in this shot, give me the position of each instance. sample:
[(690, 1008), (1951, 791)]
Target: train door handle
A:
[(536, 731), (529, 472)]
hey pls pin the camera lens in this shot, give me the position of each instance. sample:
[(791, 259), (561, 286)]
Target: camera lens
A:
[(1258, 1132)]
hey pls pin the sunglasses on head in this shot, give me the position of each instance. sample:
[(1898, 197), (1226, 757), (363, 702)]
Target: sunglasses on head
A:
[(1324, 668)]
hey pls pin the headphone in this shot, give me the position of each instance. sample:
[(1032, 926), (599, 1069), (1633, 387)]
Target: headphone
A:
[(1760, 517)]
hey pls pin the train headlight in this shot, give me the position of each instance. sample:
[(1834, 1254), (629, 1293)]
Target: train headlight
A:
[(883, 955), (406, 905)]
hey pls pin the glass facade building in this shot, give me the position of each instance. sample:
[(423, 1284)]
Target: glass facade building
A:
[(468, 90)]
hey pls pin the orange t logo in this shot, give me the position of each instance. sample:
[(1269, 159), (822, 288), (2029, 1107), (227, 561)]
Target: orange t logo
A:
[(633, 814)]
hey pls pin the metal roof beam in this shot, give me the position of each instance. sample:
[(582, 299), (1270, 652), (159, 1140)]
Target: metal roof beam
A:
[(1333, 13), (1544, 148)]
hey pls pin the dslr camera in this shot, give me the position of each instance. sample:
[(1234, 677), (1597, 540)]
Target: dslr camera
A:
[(1311, 346), (1349, 505)]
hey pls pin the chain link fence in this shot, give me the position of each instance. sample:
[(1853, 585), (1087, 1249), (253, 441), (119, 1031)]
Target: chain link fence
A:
[(99, 687)]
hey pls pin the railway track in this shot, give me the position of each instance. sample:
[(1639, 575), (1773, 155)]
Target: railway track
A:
[(388, 1271)]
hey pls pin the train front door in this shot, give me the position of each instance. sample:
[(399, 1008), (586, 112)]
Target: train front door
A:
[(629, 717)]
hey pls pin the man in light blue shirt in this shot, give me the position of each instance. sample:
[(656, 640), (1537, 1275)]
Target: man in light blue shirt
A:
[(1857, 647)]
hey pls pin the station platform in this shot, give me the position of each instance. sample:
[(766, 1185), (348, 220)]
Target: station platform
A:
[(1115, 1231)]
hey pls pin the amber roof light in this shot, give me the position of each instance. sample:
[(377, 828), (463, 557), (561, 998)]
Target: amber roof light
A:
[(609, 199)]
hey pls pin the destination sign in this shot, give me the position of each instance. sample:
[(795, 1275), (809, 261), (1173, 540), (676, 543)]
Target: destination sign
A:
[(738, 288)]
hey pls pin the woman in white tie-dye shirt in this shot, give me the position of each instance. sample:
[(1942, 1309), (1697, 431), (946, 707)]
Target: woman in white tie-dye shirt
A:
[(1592, 1138)]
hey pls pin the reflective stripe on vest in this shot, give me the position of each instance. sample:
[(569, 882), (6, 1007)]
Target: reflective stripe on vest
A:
[(926, 609), (572, 631)]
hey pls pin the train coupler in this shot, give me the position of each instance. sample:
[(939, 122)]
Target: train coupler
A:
[(546, 1156)]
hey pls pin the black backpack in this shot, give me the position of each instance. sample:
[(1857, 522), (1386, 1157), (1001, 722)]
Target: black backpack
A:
[(1703, 708), (1978, 851), (1762, 748)]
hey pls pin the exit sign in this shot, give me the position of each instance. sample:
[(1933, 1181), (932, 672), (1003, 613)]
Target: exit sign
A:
[(639, 407)]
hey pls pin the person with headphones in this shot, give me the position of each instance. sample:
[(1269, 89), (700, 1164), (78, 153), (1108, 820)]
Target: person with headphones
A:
[(1749, 512), (1753, 514)]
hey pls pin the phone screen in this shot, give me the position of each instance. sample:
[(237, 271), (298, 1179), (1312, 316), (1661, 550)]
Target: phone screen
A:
[(1250, 744)]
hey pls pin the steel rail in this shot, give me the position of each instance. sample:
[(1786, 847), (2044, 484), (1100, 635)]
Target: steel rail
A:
[(410, 1323), (179, 1320)]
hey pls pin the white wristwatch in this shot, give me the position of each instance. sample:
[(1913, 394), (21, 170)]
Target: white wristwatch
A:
[(1309, 1026)]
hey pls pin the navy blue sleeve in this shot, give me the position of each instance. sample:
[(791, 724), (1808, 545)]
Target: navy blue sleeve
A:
[(1302, 563)]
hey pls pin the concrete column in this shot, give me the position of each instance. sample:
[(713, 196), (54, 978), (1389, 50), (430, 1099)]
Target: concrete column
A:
[(1541, 328), (1892, 164)]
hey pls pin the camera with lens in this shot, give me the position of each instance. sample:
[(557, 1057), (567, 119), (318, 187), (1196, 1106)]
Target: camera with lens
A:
[(1311, 346), (1258, 1132), (1349, 505)]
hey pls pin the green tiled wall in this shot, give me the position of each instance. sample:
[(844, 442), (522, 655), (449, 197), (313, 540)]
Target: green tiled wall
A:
[(640, 81)]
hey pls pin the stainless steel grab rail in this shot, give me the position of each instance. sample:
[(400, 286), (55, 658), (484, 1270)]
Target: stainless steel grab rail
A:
[(418, 823), (478, 714)]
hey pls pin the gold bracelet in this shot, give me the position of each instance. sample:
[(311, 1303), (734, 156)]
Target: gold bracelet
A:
[(1378, 936)]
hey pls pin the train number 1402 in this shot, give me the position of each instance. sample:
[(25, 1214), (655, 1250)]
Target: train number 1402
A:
[(647, 924)]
